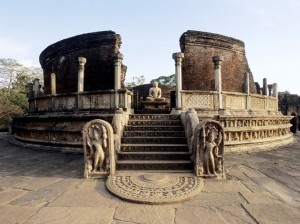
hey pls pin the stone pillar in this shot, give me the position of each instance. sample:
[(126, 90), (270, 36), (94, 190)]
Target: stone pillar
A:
[(265, 87), (36, 87), (217, 60), (246, 85), (81, 62), (30, 90), (275, 90), (118, 73), (53, 83), (270, 89), (178, 74)]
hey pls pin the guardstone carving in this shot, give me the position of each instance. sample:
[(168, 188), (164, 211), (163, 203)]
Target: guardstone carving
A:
[(208, 149), (98, 145)]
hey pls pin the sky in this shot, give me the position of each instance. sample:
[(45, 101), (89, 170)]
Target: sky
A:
[(150, 31)]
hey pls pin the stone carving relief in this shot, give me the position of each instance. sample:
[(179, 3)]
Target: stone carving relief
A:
[(198, 101), (98, 145), (208, 149)]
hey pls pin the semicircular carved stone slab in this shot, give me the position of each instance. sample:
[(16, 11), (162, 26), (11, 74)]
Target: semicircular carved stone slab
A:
[(154, 188), (208, 149), (98, 146)]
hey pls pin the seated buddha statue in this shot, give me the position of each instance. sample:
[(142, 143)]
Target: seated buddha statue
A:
[(155, 93)]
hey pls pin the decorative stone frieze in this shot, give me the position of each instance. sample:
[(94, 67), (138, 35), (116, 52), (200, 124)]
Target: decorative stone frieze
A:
[(98, 146)]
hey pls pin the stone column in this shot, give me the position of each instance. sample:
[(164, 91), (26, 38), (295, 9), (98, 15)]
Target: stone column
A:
[(265, 87), (36, 87), (178, 74), (53, 83), (270, 89), (81, 61), (118, 63), (217, 60), (275, 90), (30, 90), (247, 83)]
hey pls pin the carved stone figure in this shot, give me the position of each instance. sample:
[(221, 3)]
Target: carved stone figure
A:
[(98, 144), (155, 93), (209, 149)]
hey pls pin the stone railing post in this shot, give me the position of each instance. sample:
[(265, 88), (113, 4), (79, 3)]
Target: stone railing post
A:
[(270, 87), (217, 60), (178, 74), (118, 63), (275, 90), (265, 87), (247, 89), (53, 83), (36, 87), (29, 87), (81, 61)]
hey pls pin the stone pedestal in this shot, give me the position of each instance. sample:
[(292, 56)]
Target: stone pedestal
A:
[(154, 105)]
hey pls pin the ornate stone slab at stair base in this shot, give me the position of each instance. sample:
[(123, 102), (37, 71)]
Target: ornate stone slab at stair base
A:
[(154, 188), (99, 152), (208, 149)]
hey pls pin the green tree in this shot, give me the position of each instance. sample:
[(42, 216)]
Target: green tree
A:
[(136, 81), (166, 80)]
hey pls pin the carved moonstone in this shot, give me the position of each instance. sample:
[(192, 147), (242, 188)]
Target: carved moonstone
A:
[(98, 145)]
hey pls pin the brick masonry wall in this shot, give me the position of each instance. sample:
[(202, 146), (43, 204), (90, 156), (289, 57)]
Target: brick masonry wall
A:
[(98, 48), (198, 68)]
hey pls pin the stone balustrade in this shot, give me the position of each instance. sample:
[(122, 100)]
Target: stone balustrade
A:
[(85, 101), (233, 103)]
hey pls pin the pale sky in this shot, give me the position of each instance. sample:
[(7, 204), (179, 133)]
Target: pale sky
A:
[(151, 29)]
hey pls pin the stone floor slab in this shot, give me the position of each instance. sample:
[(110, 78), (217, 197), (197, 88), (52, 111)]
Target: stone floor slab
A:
[(45, 194), (196, 215), (148, 214), (15, 214), (277, 213), (60, 215), (236, 215), (224, 186), (9, 195), (216, 199)]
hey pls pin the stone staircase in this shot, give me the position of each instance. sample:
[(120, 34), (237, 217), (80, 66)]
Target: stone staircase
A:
[(153, 142)]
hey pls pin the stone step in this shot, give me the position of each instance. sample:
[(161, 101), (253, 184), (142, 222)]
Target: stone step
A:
[(154, 165), (154, 147), (154, 128), (154, 117), (153, 134), (154, 156), (152, 140), (155, 122)]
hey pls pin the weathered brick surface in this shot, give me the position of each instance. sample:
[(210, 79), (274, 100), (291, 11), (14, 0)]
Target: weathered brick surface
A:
[(198, 68), (99, 48)]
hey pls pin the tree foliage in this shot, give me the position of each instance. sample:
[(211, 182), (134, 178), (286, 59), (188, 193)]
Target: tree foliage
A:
[(13, 80), (136, 81), (166, 80)]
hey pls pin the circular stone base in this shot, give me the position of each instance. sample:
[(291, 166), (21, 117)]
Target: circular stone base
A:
[(154, 188)]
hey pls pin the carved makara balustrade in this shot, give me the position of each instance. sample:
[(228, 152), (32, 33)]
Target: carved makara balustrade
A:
[(208, 149), (99, 152)]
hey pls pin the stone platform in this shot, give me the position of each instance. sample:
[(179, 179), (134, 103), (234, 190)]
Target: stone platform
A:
[(47, 187)]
